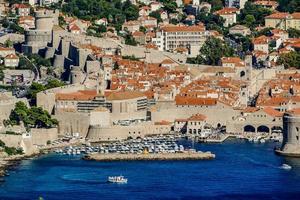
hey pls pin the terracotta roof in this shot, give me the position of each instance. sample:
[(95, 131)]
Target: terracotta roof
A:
[(197, 117), (283, 15), (163, 122), (195, 28), (81, 95), (123, 95), (180, 120), (261, 40), (194, 101), (138, 34), (6, 49), (250, 110), (11, 56), (266, 3), (272, 112), (74, 28), (167, 62), (226, 11), (295, 111), (20, 5), (235, 60)]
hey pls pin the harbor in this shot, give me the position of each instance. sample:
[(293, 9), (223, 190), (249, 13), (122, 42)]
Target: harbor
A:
[(253, 166)]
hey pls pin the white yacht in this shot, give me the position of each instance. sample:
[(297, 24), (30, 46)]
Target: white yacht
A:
[(286, 167), (117, 179)]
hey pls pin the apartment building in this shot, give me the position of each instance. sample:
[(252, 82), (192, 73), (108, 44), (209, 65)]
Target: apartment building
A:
[(283, 21), (228, 14), (170, 38)]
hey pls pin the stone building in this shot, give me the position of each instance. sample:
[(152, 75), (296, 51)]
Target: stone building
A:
[(291, 134), (283, 20), (36, 40)]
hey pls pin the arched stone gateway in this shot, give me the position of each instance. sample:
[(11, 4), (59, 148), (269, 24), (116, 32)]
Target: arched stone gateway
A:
[(249, 128), (263, 129)]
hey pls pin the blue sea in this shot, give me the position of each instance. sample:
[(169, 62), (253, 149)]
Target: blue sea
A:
[(241, 170)]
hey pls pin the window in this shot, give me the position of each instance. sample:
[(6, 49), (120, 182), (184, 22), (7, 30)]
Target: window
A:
[(297, 137)]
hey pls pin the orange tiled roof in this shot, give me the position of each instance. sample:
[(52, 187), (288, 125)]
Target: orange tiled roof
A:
[(197, 117), (81, 95), (272, 112), (194, 101), (195, 28), (235, 60), (226, 11), (123, 95), (260, 40), (11, 56), (250, 110), (284, 15)]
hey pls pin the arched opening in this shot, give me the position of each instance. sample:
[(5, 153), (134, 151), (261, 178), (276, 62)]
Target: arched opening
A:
[(263, 129), (249, 128), (242, 73), (276, 129)]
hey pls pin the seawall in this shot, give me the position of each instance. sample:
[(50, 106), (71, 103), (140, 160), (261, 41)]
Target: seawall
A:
[(157, 156)]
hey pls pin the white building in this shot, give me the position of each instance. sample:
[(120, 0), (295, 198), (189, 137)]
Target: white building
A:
[(170, 38), (229, 14), (11, 60)]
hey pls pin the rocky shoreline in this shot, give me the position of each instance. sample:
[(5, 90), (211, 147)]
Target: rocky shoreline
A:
[(149, 157), (10, 162)]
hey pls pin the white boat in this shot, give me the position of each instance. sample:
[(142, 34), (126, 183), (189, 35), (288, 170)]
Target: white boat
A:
[(262, 141), (117, 179), (256, 140), (286, 167)]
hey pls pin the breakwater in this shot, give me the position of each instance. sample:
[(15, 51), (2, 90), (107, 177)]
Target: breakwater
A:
[(153, 156)]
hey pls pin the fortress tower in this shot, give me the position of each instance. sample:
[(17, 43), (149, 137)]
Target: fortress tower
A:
[(291, 134), (37, 39)]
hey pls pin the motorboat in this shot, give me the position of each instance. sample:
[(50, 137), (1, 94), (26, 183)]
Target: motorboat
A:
[(262, 140), (286, 167), (117, 179)]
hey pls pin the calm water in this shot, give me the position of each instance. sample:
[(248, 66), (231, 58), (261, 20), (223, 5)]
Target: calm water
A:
[(241, 171)]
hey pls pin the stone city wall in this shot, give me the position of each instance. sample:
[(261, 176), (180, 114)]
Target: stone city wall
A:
[(40, 136), (123, 132)]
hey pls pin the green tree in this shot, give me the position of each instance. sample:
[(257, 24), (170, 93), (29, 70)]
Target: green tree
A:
[(8, 43), (37, 87), (259, 13), (115, 11), (34, 89), (212, 51), (249, 20), (265, 31), (2, 144), (31, 117), (289, 60), (129, 40), (289, 6), (293, 33), (211, 21), (143, 29), (156, 15)]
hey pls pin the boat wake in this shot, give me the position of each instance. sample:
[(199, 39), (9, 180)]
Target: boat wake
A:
[(79, 178), (255, 162)]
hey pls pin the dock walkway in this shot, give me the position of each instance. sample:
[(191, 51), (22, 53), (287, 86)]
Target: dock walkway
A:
[(152, 156)]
